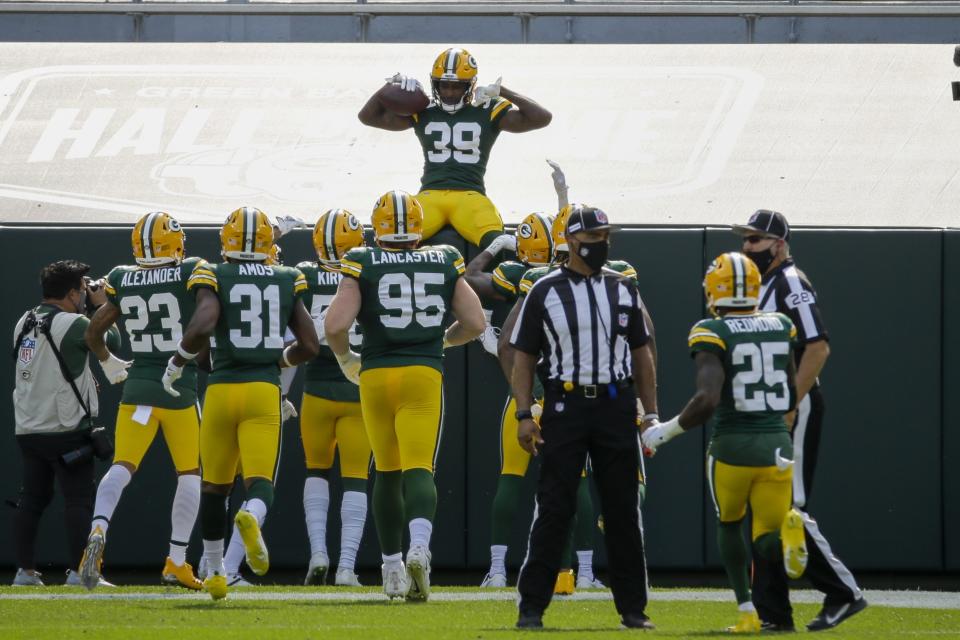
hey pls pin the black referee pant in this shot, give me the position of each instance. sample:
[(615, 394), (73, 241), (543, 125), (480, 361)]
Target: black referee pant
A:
[(42, 464), (771, 594), (606, 428)]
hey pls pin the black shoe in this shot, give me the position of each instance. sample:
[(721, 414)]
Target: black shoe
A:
[(636, 621), (777, 627), (530, 620), (833, 614)]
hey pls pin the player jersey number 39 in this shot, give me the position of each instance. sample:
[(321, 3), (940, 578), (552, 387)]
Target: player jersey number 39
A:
[(402, 292), (465, 139)]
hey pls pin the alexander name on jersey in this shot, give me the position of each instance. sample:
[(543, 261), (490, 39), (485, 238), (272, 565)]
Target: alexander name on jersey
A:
[(421, 256), (146, 277)]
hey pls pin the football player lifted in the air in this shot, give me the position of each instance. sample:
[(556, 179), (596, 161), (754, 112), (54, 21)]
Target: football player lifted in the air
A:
[(247, 304), (400, 295), (152, 300), (457, 130), (745, 375)]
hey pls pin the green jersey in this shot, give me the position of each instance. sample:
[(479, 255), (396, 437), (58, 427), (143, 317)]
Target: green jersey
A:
[(323, 376), (756, 352), (256, 303), (155, 306), (622, 267), (405, 298), (506, 278), (456, 145)]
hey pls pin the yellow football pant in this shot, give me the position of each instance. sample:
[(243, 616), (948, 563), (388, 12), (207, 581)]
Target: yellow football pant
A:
[(514, 460), (181, 431), (326, 425), (403, 412), (471, 213), (766, 489), (241, 423)]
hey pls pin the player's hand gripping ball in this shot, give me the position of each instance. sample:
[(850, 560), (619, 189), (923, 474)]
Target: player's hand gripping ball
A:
[(403, 95)]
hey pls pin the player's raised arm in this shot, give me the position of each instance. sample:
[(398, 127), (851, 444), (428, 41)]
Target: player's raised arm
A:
[(527, 116), (469, 314), (375, 113)]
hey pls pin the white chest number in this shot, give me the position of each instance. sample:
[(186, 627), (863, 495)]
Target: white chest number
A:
[(319, 309), (399, 293), (759, 359), (137, 312), (252, 299), (465, 137)]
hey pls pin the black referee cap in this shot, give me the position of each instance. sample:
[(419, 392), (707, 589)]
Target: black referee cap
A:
[(766, 223), (587, 219)]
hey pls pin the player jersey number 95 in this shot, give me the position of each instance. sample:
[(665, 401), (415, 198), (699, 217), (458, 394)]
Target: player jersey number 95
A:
[(253, 302), (399, 292)]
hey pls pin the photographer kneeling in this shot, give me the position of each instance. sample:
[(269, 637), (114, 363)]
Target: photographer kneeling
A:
[(55, 403)]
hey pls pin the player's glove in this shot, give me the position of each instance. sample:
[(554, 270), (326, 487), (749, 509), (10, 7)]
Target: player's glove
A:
[(504, 241), (489, 339), (489, 92), (287, 410), (114, 368), (407, 83), (171, 375), (559, 179), (661, 433), (350, 365), (286, 224)]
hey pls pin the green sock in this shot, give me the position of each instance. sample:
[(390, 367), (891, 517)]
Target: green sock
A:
[(355, 484), (419, 495), (585, 522), (505, 503), (769, 547), (388, 511), (262, 489), (733, 554)]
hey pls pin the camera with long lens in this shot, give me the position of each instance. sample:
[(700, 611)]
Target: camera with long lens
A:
[(99, 445), (92, 285)]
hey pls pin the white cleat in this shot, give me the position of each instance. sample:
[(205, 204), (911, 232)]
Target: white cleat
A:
[(494, 581), (317, 570), (203, 569), (418, 574), (237, 580), (395, 583), (346, 578), (25, 578), (73, 580), (584, 582)]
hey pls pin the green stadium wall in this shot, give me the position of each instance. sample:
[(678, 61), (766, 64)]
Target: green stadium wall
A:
[(884, 495)]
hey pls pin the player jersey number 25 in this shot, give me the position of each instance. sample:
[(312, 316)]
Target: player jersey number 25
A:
[(146, 336), (461, 141), (259, 316), (406, 299), (760, 365)]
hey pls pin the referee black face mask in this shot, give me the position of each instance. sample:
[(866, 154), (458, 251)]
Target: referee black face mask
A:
[(594, 254), (588, 235)]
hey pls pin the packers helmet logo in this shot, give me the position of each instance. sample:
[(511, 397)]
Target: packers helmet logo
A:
[(352, 222), (471, 62), (525, 230), (173, 225)]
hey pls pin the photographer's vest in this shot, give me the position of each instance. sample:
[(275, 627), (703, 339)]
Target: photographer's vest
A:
[(42, 399)]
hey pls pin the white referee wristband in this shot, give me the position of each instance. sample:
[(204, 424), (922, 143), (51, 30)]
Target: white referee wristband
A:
[(286, 358), (183, 353)]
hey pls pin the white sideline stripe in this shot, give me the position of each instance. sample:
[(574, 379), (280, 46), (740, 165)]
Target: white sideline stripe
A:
[(894, 599)]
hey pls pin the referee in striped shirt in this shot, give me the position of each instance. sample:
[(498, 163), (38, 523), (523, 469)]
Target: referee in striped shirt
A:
[(786, 289), (585, 326)]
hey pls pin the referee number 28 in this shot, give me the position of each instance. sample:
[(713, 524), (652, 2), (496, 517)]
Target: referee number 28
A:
[(760, 360), (398, 292)]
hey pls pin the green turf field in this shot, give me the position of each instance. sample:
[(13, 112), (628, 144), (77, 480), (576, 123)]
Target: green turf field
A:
[(141, 613)]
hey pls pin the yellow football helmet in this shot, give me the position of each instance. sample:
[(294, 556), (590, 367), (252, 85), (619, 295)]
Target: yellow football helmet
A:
[(397, 217), (336, 232), (246, 235), (559, 228), (454, 65), (732, 281), (535, 239), (157, 239), (276, 255)]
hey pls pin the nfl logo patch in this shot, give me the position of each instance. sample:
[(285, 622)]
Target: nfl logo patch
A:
[(27, 348), (602, 217), (624, 319)]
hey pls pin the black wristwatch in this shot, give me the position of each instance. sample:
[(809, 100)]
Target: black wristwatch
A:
[(523, 414)]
